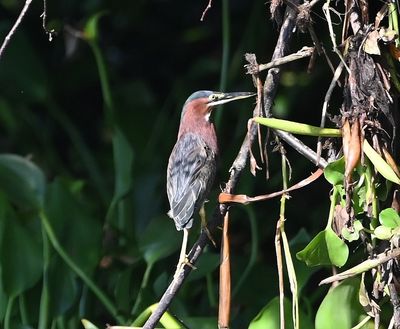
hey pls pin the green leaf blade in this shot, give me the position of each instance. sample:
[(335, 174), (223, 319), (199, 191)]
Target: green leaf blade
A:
[(325, 249), (298, 128), (389, 218)]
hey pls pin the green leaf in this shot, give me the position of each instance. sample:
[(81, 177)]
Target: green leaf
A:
[(91, 27), (159, 240), (389, 218), (334, 172), (78, 230), (298, 128), (353, 235), (123, 161), (21, 259), (340, 307), (383, 232), (22, 181), (350, 235), (63, 287), (325, 249), (268, 317), (381, 165)]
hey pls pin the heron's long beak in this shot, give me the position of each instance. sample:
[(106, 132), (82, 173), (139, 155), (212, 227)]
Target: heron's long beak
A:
[(222, 98)]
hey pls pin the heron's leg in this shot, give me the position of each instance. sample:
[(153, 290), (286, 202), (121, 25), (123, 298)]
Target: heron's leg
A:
[(183, 260), (202, 214)]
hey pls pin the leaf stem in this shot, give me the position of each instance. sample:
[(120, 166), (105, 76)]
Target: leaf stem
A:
[(7, 316), (104, 81), (44, 299), (334, 197), (22, 310)]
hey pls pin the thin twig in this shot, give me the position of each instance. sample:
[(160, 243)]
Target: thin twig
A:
[(364, 266), (51, 32), (328, 95), (314, 2), (15, 26), (302, 53), (326, 10), (303, 149), (271, 84), (205, 10)]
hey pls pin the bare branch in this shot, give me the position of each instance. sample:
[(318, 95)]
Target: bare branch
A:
[(205, 10), (302, 53), (51, 32), (364, 266), (15, 26)]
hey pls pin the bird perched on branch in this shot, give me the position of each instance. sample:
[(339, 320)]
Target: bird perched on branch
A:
[(192, 163)]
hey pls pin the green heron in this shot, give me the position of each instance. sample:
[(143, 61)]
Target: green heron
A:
[(192, 163)]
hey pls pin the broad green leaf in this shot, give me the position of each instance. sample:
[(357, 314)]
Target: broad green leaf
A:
[(268, 317), (63, 287), (389, 218), (340, 307), (334, 172), (298, 128), (383, 232), (325, 249), (123, 160), (78, 230), (380, 165), (21, 260), (159, 240), (22, 181)]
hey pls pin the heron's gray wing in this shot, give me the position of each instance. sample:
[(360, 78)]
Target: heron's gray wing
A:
[(184, 189)]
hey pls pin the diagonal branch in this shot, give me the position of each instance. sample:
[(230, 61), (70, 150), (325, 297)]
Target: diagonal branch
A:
[(270, 88), (15, 26)]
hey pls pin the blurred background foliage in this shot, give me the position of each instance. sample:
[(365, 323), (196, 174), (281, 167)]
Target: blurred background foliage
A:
[(97, 181)]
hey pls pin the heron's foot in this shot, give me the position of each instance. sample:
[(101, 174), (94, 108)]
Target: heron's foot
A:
[(182, 263)]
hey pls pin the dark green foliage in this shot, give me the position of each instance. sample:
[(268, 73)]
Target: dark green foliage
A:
[(87, 126)]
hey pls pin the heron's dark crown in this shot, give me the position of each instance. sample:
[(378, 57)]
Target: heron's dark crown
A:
[(194, 96)]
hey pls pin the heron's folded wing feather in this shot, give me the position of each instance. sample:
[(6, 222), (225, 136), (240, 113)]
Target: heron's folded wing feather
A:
[(184, 189)]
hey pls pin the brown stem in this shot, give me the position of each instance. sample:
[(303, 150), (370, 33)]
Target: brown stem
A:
[(225, 279)]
